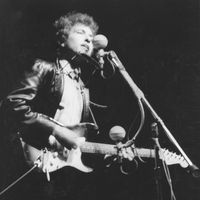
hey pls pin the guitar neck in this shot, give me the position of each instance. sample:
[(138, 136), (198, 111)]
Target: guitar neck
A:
[(100, 148)]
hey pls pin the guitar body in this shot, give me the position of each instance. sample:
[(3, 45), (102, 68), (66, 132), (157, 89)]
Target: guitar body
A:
[(52, 160)]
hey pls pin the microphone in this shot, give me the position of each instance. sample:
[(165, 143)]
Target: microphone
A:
[(154, 129), (100, 42), (117, 133), (155, 134)]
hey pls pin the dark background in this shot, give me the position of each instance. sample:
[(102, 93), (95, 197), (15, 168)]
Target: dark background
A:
[(159, 44)]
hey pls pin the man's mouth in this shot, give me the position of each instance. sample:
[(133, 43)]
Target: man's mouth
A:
[(85, 46)]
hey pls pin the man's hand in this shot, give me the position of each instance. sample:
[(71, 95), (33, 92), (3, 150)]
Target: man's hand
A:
[(125, 152), (59, 147), (81, 129), (69, 137)]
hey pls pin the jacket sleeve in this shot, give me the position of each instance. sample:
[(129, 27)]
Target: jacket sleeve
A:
[(19, 114)]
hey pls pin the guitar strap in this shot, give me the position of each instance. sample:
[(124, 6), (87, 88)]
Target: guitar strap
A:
[(86, 100), (87, 111)]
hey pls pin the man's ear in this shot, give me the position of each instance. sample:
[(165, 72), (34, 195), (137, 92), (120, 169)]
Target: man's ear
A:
[(62, 44), (61, 39)]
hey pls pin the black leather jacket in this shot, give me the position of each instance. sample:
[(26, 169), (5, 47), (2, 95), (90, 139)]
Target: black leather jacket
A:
[(29, 109)]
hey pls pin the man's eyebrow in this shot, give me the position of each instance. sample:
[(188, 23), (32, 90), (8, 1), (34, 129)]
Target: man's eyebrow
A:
[(82, 29), (79, 29)]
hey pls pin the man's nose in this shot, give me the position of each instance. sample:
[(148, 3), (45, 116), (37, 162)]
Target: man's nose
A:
[(88, 39)]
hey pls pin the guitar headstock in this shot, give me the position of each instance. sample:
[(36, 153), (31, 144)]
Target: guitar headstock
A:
[(172, 158)]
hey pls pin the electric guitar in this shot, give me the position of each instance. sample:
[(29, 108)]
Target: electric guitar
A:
[(51, 160)]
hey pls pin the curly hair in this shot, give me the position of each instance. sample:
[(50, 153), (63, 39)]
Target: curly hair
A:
[(64, 24)]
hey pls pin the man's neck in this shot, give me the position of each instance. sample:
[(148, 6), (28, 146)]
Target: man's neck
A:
[(65, 53)]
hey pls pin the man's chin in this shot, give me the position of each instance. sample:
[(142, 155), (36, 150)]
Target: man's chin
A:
[(85, 53)]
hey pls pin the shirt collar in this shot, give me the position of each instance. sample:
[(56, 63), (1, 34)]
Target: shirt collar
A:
[(66, 68)]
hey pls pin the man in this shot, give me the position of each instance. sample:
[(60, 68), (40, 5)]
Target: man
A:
[(49, 109)]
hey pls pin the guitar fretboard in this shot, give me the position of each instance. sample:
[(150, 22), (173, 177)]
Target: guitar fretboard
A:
[(100, 148)]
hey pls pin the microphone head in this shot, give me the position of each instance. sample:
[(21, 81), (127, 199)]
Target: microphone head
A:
[(100, 42), (117, 133)]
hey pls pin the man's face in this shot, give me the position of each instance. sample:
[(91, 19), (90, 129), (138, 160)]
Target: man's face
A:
[(80, 39)]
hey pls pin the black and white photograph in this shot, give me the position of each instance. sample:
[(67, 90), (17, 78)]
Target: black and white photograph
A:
[(100, 99)]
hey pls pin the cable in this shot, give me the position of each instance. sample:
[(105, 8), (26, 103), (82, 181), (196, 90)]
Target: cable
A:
[(168, 177), (132, 140), (37, 163)]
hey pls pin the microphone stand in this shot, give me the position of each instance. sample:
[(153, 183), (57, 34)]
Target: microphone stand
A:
[(193, 169)]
